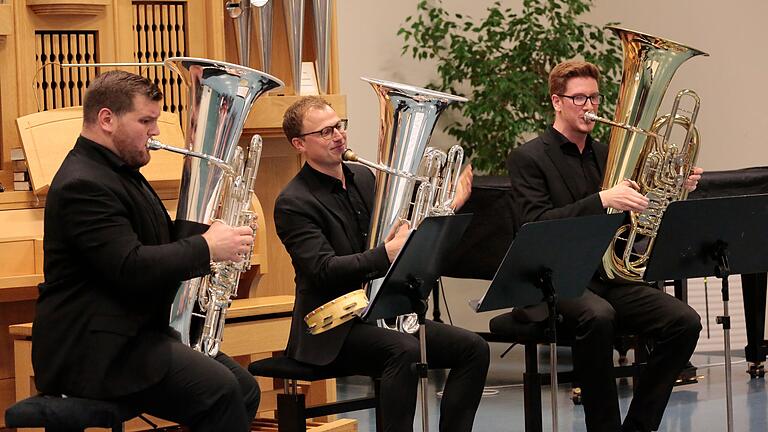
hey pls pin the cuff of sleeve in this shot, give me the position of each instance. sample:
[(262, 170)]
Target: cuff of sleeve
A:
[(595, 203), (202, 259), (380, 259)]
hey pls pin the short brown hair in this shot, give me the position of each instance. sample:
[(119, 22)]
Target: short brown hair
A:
[(115, 90), (561, 73), (293, 119)]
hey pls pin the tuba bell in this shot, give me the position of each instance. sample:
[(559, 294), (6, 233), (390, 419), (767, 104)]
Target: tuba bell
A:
[(216, 184), (641, 147), (413, 181)]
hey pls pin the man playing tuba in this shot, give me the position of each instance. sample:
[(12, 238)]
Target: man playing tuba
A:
[(322, 217), (112, 268), (558, 175)]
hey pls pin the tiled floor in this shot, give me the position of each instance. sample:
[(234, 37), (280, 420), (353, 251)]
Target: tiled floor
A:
[(699, 407)]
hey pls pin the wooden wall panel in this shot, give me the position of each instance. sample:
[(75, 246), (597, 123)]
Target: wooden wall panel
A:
[(10, 313)]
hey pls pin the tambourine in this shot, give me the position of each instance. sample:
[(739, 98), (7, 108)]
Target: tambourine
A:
[(336, 312)]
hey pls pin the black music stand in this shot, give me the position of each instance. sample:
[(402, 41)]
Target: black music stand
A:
[(699, 238), (410, 278), (547, 260)]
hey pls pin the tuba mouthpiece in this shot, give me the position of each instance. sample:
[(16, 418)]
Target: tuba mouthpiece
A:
[(154, 144), (349, 155), (589, 115)]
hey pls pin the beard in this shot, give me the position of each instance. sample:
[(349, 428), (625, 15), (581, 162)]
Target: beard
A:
[(134, 156)]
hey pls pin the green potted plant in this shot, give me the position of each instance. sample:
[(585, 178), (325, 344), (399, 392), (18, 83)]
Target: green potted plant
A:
[(501, 63)]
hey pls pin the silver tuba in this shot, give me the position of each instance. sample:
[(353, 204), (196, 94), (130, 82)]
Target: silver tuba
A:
[(216, 183), (413, 181), (640, 151)]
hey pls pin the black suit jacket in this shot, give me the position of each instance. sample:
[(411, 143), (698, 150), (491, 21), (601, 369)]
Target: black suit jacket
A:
[(540, 181), (111, 271), (321, 242)]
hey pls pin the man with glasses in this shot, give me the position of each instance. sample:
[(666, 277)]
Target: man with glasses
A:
[(322, 217), (559, 175)]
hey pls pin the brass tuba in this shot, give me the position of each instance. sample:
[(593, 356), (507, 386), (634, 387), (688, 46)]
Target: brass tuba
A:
[(639, 151), (413, 181), (216, 184)]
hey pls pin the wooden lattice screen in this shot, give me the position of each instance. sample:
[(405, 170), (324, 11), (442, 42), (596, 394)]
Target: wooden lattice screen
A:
[(56, 86), (160, 32)]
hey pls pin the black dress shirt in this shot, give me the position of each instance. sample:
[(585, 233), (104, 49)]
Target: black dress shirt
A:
[(587, 178), (351, 201)]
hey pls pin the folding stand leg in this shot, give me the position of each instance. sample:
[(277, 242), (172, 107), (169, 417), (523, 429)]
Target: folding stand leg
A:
[(723, 271), (551, 298), (422, 369), (553, 382)]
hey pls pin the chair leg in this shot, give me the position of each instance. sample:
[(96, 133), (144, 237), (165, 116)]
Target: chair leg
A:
[(532, 389), (379, 420), (291, 415)]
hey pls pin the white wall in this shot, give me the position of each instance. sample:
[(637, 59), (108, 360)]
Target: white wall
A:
[(731, 81)]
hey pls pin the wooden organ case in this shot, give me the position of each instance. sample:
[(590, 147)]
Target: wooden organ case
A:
[(39, 121)]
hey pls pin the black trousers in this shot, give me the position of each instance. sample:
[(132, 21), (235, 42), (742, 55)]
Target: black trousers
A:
[(373, 351), (593, 320), (202, 393)]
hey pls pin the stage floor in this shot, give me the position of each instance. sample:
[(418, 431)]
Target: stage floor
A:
[(696, 407)]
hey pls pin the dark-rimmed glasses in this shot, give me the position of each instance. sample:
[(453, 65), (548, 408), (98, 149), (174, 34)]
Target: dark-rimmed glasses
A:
[(581, 100), (327, 132)]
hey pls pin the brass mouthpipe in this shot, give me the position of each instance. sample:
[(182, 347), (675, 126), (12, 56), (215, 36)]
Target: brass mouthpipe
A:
[(351, 156), (153, 144), (596, 118)]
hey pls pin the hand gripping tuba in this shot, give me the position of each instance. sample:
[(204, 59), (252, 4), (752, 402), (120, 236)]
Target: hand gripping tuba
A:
[(413, 181), (639, 151), (216, 184)]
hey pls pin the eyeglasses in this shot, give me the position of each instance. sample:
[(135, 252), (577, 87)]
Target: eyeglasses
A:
[(327, 132), (581, 100)]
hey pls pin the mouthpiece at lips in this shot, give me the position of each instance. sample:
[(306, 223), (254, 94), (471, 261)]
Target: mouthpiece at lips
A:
[(349, 155)]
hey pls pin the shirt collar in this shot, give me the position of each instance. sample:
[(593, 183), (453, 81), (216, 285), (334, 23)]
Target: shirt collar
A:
[(567, 146)]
